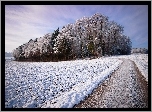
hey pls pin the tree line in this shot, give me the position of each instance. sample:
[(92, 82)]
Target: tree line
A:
[(139, 50), (88, 37)]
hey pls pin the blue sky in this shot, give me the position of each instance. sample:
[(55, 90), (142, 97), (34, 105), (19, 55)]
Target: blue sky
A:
[(25, 22)]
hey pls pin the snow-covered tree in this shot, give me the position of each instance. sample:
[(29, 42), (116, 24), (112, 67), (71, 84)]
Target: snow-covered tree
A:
[(93, 36)]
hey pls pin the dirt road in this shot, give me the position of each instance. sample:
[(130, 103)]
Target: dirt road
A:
[(126, 88)]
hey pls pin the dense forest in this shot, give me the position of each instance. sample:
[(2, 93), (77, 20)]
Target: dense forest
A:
[(88, 37)]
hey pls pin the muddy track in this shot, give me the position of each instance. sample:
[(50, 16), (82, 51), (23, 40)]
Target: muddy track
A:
[(126, 88)]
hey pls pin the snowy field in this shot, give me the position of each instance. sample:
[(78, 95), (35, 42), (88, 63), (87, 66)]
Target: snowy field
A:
[(141, 60), (54, 84), (59, 84)]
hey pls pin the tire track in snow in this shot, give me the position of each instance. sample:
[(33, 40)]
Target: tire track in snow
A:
[(126, 88)]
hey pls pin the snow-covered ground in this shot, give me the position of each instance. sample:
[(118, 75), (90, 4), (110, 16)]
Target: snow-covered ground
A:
[(59, 84), (141, 60), (54, 84), (124, 89)]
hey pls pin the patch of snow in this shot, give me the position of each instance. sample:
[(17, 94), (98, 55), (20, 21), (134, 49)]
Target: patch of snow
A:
[(141, 60), (54, 84), (78, 93)]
